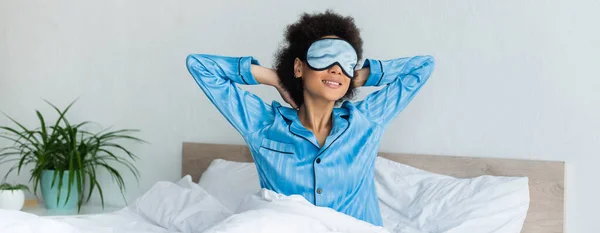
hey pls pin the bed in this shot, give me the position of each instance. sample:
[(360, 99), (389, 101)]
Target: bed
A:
[(494, 195), (546, 178)]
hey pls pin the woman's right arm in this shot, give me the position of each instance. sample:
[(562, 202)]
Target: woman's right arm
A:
[(218, 77)]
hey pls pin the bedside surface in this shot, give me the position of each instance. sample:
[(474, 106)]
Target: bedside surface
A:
[(41, 210)]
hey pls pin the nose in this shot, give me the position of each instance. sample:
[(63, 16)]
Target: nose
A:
[(335, 69)]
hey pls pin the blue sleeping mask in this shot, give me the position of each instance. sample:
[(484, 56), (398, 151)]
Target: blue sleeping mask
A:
[(325, 53)]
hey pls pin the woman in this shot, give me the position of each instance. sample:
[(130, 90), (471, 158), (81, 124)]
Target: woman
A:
[(315, 149)]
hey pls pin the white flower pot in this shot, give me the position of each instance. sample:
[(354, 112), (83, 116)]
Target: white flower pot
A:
[(12, 199)]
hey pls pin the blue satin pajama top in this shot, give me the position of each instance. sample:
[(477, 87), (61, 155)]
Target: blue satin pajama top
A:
[(289, 160)]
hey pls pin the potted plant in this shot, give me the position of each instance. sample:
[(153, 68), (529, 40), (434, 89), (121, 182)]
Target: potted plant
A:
[(66, 158), (12, 197)]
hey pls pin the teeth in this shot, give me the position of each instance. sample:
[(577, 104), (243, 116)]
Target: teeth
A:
[(330, 82)]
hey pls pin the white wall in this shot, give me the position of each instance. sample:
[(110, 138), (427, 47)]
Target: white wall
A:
[(514, 79)]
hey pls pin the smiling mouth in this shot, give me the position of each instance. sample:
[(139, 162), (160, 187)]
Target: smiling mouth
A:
[(331, 83)]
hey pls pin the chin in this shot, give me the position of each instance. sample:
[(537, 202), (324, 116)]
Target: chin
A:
[(333, 98)]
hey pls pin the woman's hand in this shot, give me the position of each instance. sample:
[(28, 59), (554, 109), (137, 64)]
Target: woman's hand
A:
[(286, 96), (269, 77), (361, 76)]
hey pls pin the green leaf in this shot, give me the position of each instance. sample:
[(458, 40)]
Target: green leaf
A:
[(22, 135), (71, 177), (7, 186), (61, 174), (44, 133), (18, 124)]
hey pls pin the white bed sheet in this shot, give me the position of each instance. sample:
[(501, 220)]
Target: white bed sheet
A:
[(125, 221)]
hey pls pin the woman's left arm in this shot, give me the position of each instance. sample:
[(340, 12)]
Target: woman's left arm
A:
[(402, 78)]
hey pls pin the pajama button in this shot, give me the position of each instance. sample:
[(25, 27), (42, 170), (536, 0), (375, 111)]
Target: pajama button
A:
[(318, 160), (319, 191)]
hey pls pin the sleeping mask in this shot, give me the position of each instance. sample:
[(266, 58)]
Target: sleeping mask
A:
[(325, 53)]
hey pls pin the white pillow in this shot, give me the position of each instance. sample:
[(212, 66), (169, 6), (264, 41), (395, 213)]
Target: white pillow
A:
[(230, 181), (414, 200)]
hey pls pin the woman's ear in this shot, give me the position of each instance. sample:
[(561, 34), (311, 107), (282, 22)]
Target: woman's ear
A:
[(298, 65)]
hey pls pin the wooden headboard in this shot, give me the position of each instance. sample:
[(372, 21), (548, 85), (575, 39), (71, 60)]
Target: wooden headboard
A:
[(546, 178)]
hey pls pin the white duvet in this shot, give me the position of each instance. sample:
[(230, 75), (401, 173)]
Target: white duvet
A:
[(267, 211), (186, 207)]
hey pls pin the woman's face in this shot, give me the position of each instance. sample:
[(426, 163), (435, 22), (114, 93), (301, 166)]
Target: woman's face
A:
[(330, 84)]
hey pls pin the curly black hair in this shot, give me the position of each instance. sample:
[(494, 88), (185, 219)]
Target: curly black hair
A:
[(300, 35)]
